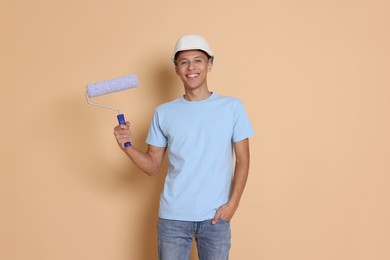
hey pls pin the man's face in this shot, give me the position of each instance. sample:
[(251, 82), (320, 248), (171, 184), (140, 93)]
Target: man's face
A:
[(192, 67)]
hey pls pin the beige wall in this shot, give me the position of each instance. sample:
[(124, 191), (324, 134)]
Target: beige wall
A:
[(313, 75)]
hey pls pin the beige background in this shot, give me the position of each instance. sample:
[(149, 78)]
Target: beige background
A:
[(313, 75)]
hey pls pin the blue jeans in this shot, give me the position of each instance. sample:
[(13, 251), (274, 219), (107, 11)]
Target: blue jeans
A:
[(175, 239)]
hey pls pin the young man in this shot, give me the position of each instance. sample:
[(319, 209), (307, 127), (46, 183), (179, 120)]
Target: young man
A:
[(200, 131)]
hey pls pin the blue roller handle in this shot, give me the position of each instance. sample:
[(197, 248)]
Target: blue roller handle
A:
[(122, 121)]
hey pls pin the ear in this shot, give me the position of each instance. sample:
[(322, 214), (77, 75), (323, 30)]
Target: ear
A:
[(209, 65)]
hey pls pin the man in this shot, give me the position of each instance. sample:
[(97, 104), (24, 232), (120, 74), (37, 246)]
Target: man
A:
[(200, 131)]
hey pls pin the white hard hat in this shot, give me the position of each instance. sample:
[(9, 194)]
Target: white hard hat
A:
[(192, 42)]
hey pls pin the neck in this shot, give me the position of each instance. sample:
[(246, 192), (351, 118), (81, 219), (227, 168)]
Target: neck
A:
[(197, 95)]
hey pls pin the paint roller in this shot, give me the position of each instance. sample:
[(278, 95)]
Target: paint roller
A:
[(108, 87)]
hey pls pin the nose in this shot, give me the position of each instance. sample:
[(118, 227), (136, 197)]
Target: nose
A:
[(190, 65)]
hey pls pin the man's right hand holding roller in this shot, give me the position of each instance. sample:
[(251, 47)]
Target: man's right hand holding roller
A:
[(123, 134)]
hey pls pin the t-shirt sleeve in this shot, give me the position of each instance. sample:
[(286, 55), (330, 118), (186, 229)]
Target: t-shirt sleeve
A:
[(242, 126), (156, 136)]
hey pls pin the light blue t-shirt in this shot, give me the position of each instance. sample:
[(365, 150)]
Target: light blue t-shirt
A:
[(199, 137)]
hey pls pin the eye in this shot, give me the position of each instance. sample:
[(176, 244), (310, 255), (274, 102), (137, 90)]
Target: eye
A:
[(198, 61), (183, 62)]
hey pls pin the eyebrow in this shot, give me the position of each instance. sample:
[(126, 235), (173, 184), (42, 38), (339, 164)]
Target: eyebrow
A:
[(196, 57)]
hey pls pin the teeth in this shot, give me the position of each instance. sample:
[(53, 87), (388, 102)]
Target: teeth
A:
[(192, 75)]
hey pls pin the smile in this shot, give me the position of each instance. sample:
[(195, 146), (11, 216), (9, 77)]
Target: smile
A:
[(192, 75)]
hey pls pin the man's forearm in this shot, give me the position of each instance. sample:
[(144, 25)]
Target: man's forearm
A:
[(241, 172), (141, 160), (149, 161)]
